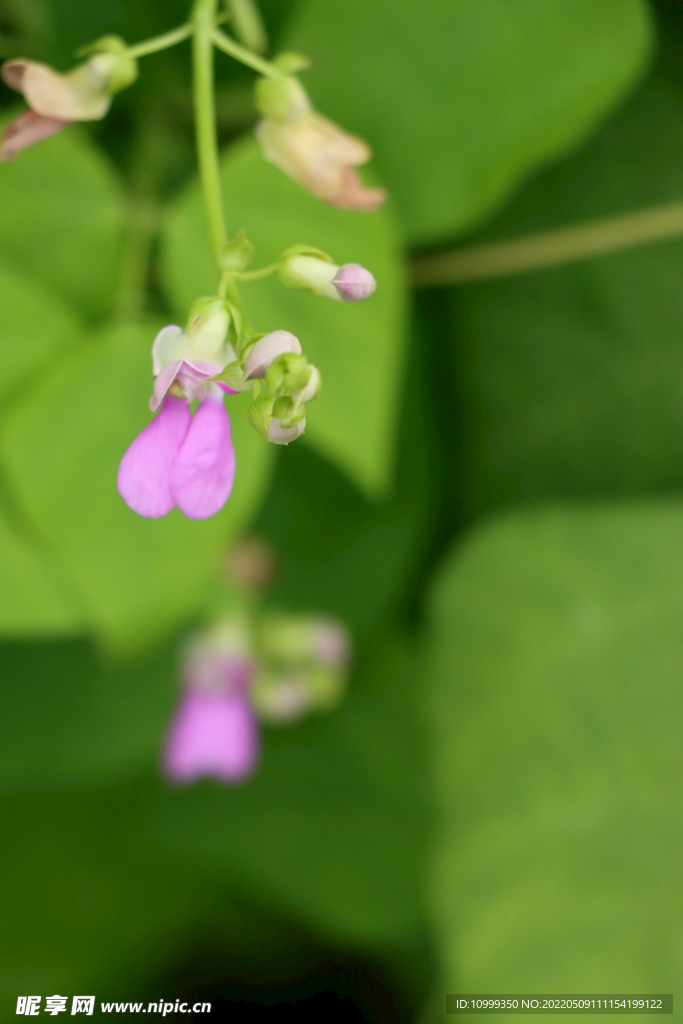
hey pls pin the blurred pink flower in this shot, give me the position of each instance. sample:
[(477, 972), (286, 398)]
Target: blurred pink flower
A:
[(214, 731), (55, 100)]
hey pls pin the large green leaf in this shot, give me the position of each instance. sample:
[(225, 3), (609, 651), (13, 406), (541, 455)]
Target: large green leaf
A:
[(358, 348), (68, 717), (462, 98), (570, 376), (36, 328), (87, 910), (61, 219), (555, 678), (62, 446)]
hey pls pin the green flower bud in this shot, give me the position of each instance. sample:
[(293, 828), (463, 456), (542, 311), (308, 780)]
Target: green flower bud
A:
[(288, 373), (309, 274), (208, 317), (237, 254)]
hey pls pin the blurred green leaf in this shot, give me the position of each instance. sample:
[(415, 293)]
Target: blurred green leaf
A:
[(462, 98), (68, 717), (36, 327), (62, 446), (358, 348), (333, 824), (570, 377), (87, 910), (556, 666), (31, 598), (61, 219)]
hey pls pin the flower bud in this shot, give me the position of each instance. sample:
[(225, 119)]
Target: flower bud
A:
[(284, 435), (288, 373), (305, 639), (308, 274), (207, 329), (265, 350), (284, 696), (353, 283), (236, 254)]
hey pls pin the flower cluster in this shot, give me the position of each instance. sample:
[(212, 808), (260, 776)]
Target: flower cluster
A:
[(188, 462), (238, 672)]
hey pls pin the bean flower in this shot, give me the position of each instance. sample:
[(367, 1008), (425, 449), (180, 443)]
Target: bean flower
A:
[(179, 459), (55, 100), (214, 731), (318, 154)]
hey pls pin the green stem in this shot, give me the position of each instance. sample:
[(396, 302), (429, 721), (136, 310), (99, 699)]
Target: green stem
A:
[(550, 248), (178, 35), (256, 275), (240, 53), (203, 21)]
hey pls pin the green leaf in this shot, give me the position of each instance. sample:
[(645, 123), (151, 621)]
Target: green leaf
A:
[(32, 601), (68, 717), (570, 376), (462, 98), (359, 348), (62, 446), (61, 219), (84, 906), (36, 326), (556, 653)]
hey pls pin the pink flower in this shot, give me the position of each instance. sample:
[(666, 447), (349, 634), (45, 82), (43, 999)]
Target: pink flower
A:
[(214, 731), (315, 152), (182, 460), (178, 459)]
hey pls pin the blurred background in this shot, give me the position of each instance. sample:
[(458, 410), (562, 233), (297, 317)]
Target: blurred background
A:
[(488, 495)]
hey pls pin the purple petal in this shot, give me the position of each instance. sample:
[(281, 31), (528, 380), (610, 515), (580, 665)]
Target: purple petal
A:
[(212, 734), (26, 130), (144, 474), (203, 472)]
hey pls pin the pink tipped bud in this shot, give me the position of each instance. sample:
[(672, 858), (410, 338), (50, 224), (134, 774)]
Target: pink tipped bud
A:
[(354, 283), (265, 350)]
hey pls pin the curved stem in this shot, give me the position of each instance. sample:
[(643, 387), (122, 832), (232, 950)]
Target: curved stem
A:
[(550, 248), (240, 53), (256, 275), (161, 42), (203, 20)]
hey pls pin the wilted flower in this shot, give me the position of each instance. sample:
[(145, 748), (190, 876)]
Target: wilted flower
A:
[(313, 151), (56, 100), (179, 459), (214, 731)]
